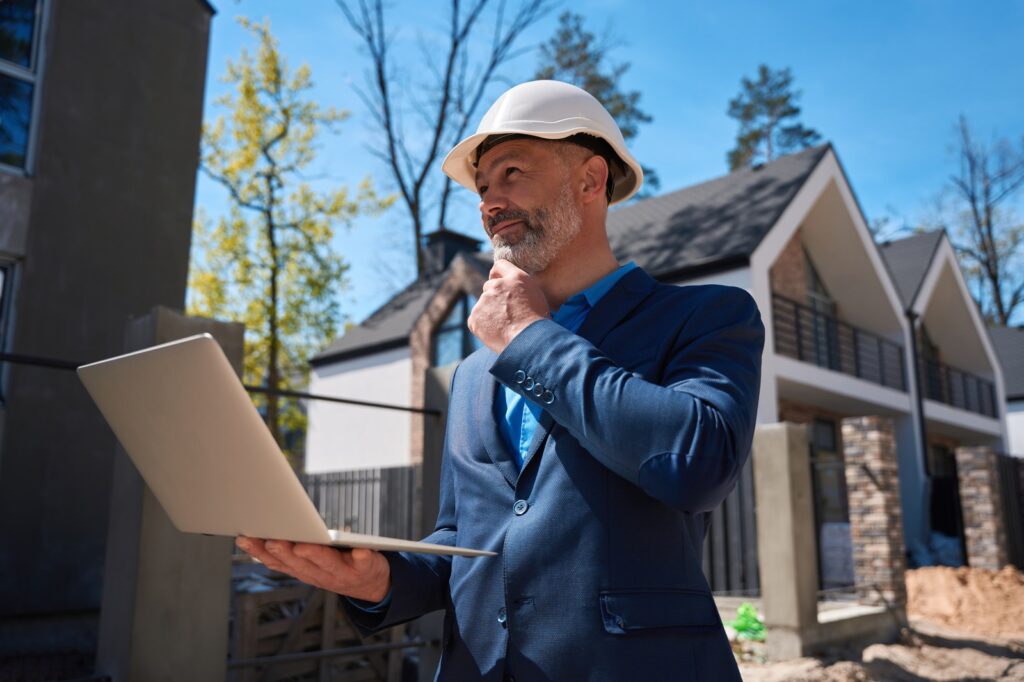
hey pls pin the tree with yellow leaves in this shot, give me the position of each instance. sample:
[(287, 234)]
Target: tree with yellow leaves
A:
[(269, 263)]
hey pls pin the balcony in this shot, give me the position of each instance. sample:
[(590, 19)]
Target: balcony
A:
[(815, 337), (958, 388)]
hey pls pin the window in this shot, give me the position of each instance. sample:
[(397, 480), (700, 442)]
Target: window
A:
[(20, 22), (453, 341), (824, 328)]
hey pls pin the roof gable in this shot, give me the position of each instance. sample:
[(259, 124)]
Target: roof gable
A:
[(908, 260), (1009, 345), (720, 220)]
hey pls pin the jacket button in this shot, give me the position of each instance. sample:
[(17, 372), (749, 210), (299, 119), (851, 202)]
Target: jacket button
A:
[(520, 376), (508, 678), (502, 617), (520, 507), (548, 397), (538, 390), (528, 383)]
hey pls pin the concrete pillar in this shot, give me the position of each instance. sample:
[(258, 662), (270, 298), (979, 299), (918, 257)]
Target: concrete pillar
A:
[(876, 526), (787, 548), (980, 502), (166, 594)]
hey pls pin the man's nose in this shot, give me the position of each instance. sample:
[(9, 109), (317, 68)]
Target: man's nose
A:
[(492, 204)]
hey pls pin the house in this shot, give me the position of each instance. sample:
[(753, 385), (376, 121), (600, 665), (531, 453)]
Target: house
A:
[(99, 135), (844, 320)]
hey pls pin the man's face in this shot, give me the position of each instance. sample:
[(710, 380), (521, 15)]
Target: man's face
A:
[(527, 205)]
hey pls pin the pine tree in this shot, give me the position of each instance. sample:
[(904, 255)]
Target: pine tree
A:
[(767, 111), (574, 55)]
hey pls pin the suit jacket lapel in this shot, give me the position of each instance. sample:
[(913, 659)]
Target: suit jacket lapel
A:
[(613, 306), (490, 431), (620, 300)]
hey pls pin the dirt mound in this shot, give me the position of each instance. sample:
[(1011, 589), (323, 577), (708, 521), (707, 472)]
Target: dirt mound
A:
[(969, 599)]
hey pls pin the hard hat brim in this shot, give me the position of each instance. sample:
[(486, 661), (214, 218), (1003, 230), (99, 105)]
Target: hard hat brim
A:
[(459, 164)]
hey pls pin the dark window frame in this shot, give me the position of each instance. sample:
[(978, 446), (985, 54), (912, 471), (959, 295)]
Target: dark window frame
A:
[(30, 75)]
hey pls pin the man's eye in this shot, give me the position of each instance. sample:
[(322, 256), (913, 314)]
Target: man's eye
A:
[(508, 171)]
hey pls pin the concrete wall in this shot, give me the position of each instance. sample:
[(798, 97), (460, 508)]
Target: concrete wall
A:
[(343, 437), (105, 236)]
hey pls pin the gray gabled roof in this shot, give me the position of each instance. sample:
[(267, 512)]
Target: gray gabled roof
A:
[(908, 260), (1009, 345), (390, 325), (716, 223)]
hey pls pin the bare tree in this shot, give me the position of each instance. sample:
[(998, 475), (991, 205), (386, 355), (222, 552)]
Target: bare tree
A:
[(453, 97), (987, 234)]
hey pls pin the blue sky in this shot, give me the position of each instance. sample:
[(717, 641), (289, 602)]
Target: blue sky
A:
[(883, 81)]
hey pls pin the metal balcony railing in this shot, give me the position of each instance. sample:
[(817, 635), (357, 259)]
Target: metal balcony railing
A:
[(811, 336), (958, 388)]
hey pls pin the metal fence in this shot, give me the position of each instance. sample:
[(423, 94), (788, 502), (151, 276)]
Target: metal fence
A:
[(958, 388), (808, 335), (730, 547), (370, 501)]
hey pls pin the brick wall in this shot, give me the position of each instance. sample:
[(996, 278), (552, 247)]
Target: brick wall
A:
[(463, 278), (788, 274), (980, 503), (876, 519)]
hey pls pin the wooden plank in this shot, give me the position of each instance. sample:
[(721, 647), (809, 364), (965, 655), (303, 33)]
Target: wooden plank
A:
[(327, 629), (247, 621)]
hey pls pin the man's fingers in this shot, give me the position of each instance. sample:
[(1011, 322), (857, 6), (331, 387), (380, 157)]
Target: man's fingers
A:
[(503, 268), (301, 568)]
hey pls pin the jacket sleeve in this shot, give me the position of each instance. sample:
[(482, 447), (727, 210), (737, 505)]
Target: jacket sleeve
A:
[(419, 582), (683, 440)]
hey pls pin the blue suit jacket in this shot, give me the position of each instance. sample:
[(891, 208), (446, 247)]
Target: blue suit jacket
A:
[(599, 536)]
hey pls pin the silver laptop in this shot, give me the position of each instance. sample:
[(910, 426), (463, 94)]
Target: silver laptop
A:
[(192, 431)]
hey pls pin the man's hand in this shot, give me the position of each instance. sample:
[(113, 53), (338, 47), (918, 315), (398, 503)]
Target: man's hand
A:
[(510, 302), (359, 573)]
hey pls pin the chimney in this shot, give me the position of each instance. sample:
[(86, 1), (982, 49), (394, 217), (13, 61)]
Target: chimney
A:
[(440, 248)]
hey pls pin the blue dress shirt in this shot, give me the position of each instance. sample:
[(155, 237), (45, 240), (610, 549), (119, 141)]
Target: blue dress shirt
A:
[(518, 417)]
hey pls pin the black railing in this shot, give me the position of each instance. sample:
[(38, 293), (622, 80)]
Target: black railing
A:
[(811, 336), (369, 501), (958, 388)]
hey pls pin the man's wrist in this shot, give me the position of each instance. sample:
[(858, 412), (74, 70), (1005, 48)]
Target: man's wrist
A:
[(515, 329)]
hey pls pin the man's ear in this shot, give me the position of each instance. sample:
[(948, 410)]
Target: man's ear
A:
[(595, 178)]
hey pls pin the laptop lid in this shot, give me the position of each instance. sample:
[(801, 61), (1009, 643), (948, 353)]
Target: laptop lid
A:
[(196, 438)]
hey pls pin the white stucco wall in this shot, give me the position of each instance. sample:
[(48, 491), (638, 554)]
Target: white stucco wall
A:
[(343, 437), (1015, 427)]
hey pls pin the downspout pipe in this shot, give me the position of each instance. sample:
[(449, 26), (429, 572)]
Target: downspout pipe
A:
[(912, 318)]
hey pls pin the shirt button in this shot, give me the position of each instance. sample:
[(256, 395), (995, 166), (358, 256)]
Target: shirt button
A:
[(548, 397), (502, 616), (528, 383), (520, 376), (520, 507)]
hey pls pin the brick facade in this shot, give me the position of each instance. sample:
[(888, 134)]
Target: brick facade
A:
[(876, 518), (463, 278), (980, 503), (788, 274)]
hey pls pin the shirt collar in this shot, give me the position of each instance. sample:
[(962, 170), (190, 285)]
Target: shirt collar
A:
[(596, 291)]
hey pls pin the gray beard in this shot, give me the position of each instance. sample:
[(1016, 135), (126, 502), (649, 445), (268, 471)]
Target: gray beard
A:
[(547, 231)]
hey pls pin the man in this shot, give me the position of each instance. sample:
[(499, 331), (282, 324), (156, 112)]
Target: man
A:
[(586, 443)]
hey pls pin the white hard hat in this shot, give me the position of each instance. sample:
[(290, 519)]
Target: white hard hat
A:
[(551, 110)]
